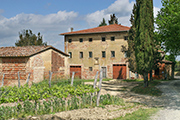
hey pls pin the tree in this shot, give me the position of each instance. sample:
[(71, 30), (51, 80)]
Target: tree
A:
[(27, 38), (131, 45), (113, 19), (145, 47), (168, 26), (103, 23)]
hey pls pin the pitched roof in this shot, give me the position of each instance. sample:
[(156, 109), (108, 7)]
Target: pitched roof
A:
[(25, 51), (102, 29)]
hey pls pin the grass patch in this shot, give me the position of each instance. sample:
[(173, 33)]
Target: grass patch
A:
[(141, 114), (150, 90)]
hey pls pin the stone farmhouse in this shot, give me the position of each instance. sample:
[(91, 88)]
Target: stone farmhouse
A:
[(97, 48), (36, 60)]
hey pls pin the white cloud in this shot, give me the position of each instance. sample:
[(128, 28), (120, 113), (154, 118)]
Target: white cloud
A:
[(53, 24), (156, 11), (121, 8), (49, 25), (155, 15)]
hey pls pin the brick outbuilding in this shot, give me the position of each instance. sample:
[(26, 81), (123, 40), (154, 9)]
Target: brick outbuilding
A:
[(36, 60)]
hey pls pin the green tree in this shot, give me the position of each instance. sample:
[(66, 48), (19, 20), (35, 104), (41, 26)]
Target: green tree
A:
[(27, 38), (168, 26), (103, 23), (145, 46), (113, 19), (131, 45)]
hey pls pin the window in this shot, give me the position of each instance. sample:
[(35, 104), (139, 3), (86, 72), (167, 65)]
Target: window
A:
[(90, 40), (112, 54), (81, 55), (125, 37), (103, 39), (70, 40), (113, 38), (90, 69), (125, 54), (103, 54), (70, 54), (90, 54), (81, 40)]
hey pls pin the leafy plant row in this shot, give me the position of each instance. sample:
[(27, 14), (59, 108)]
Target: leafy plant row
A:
[(42, 91), (54, 105)]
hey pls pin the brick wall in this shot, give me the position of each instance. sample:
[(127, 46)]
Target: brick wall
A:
[(57, 66), (57, 61), (11, 66)]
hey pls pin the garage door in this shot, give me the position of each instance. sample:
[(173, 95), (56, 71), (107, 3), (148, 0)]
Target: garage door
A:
[(77, 70), (119, 71)]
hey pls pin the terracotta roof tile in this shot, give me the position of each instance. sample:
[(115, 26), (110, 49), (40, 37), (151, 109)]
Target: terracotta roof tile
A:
[(102, 29), (25, 51)]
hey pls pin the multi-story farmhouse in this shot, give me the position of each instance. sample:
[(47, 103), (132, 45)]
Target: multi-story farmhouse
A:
[(97, 48)]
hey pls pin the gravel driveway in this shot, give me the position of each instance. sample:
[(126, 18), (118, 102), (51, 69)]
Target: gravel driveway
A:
[(170, 101)]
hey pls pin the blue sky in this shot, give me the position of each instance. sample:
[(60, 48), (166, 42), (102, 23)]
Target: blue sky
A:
[(52, 17)]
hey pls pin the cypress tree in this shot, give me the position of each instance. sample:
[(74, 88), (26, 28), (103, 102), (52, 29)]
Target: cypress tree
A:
[(144, 42), (103, 23), (113, 19), (131, 45)]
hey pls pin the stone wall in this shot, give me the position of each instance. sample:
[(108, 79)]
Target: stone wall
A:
[(96, 47)]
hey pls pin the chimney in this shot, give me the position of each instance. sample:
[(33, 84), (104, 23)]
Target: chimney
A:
[(72, 29)]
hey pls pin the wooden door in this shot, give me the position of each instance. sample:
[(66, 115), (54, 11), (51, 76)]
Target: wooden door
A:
[(119, 71), (77, 70)]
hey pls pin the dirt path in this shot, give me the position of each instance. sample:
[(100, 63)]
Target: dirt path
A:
[(170, 101)]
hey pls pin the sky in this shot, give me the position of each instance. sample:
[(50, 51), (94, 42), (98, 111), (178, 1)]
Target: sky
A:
[(52, 17)]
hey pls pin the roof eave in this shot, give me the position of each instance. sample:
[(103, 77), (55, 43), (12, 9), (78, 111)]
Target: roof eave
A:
[(93, 32), (14, 56)]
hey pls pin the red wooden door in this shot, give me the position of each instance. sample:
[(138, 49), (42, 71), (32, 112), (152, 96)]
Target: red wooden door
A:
[(119, 71), (77, 70)]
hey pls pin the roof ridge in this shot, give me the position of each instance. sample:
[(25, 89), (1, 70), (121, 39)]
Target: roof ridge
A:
[(101, 29), (25, 51)]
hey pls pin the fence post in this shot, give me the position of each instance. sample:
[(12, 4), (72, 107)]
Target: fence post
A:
[(2, 80), (50, 76), (94, 85), (95, 80), (99, 86), (27, 81), (19, 85), (72, 79)]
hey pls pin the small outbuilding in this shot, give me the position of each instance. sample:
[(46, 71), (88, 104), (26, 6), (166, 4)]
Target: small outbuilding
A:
[(36, 60)]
